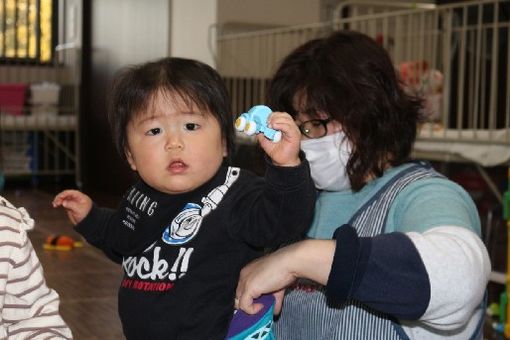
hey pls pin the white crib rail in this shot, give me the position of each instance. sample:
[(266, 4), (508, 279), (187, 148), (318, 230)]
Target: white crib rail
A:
[(467, 42)]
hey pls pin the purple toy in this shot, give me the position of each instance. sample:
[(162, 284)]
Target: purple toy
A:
[(257, 326), (255, 121)]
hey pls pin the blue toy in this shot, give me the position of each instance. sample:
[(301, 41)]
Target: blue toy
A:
[(255, 121)]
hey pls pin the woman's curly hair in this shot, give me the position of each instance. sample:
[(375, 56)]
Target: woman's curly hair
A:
[(350, 77)]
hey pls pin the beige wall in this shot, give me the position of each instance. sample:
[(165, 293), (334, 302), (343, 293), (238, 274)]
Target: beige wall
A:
[(268, 12), (191, 35), (192, 22)]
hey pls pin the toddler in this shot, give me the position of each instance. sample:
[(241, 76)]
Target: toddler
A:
[(186, 227)]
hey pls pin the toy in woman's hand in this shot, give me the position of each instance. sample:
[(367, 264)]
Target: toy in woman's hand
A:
[(254, 326), (255, 121)]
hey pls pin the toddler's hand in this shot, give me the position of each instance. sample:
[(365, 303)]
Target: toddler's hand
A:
[(286, 151), (76, 204)]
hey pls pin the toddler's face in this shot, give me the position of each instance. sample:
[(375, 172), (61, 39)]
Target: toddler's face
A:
[(174, 148)]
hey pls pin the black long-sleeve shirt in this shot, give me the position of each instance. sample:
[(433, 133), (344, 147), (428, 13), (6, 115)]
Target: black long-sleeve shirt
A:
[(179, 282)]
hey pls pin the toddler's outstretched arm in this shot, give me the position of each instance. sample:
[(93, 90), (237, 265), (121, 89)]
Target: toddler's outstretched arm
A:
[(76, 204), (286, 151)]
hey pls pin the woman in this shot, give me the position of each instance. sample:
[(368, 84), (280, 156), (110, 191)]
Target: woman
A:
[(406, 260)]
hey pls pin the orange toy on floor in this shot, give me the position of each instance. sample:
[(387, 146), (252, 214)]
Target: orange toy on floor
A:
[(61, 242)]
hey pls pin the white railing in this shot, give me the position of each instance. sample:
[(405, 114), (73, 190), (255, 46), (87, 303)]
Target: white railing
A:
[(456, 56)]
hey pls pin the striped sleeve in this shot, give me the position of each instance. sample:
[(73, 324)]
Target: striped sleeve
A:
[(29, 306)]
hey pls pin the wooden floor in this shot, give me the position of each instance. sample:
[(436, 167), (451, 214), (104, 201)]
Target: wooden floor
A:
[(85, 279)]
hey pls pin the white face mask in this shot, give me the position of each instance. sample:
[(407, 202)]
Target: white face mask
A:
[(328, 158)]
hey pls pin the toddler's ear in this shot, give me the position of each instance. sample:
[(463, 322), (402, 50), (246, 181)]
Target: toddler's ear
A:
[(130, 159)]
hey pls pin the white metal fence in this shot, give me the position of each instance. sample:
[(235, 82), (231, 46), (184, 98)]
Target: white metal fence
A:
[(456, 56)]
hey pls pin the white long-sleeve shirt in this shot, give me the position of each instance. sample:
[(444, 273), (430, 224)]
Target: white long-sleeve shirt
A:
[(29, 308)]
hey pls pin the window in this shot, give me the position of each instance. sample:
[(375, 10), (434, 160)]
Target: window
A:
[(26, 31)]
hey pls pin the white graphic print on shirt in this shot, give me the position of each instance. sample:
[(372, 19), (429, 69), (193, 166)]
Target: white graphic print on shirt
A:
[(154, 273), (186, 224)]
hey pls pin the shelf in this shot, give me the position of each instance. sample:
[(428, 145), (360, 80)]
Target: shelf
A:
[(38, 122)]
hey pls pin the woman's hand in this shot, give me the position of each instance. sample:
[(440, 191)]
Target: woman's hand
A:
[(309, 259), (268, 274), (76, 204)]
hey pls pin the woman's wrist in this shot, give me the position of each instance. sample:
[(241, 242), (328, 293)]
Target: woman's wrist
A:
[(312, 259)]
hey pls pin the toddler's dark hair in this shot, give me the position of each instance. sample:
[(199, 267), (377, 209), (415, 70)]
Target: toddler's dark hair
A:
[(135, 87)]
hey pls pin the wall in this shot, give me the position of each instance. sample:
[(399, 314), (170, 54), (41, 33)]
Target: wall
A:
[(268, 12), (128, 31), (194, 23), (117, 33), (70, 22), (190, 32)]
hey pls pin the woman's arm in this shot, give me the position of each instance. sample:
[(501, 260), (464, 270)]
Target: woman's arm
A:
[(458, 268), (438, 276), (309, 259)]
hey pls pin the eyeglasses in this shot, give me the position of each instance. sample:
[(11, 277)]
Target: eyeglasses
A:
[(315, 128)]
